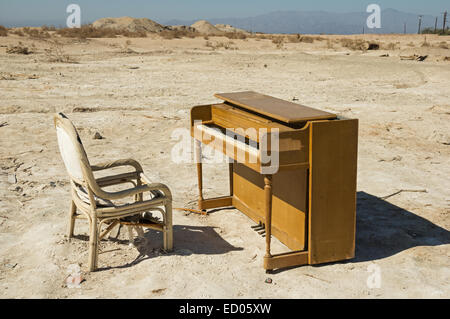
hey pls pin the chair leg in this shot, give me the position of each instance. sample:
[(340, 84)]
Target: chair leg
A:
[(130, 235), (93, 244), (168, 229), (140, 231), (71, 226)]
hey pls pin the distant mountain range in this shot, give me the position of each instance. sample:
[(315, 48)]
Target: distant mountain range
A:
[(316, 22), (311, 22)]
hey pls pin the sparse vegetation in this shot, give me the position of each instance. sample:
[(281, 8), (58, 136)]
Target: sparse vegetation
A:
[(355, 44), (18, 32), (301, 39), (278, 41), (88, 31), (48, 28), (425, 44), (217, 45), (443, 45), (235, 35), (3, 31), (178, 34), (36, 33), (329, 44), (55, 53), (373, 46), (438, 31), (18, 49), (390, 46), (359, 44)]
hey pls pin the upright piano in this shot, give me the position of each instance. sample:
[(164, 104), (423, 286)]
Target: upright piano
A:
[(306, 197)]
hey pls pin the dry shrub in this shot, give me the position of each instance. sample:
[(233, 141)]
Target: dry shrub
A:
[(217, 45), (3, 31), (355, 45), (17, 32), (411, 44), (126, 49), (298, 38), (390, 46), (168, 34), (329, 44), (56, 53), (305, 39), (278, 41), (235, 35), (48, 28), (88, 31), (443, 45), (373, 46), (18, 49), (425, 43), (178, 34), (36, 33)]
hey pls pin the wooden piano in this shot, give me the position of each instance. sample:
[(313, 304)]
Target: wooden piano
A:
[(309, 203)]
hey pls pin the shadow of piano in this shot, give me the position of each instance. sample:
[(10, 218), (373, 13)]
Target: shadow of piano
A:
[(384, 229)]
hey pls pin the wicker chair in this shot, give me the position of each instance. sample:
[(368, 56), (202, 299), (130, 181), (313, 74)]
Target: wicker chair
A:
[(96, 204)]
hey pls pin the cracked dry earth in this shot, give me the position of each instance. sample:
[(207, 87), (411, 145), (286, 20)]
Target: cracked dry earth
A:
[(135, 98)]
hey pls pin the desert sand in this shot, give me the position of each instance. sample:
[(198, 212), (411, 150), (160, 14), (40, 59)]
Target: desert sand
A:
[(135, 92)]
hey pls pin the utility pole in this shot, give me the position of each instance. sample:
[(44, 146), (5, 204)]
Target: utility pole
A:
[(445, 20), (420, 23), (404, 28), (435, 24)]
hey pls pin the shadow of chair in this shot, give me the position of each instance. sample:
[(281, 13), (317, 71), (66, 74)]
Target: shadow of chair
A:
[(197, 240)]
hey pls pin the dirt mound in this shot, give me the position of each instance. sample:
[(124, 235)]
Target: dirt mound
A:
[(205, 27), (229, 28), (129, 24)]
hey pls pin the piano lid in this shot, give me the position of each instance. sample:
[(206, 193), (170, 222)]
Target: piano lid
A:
[(276, 108)]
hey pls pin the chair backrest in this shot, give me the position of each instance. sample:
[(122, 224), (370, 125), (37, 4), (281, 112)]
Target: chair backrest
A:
[(72, 150)]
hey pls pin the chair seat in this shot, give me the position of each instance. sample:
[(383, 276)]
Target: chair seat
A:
[(83, 195), (100, 202)]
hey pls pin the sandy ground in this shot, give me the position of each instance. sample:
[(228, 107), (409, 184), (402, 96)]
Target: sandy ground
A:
[(113, 89)]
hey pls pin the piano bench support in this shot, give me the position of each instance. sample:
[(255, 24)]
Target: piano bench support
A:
[(289, 259), (225, 201)]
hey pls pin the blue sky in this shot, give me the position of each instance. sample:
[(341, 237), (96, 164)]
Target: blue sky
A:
[(38, 11)]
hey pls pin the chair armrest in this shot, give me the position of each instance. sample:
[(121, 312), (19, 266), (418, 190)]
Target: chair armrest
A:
[(138, 190), (121, 162), (117, 179)]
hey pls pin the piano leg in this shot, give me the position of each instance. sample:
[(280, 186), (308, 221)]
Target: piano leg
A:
[(268, 219), (198, 154), (230, 167)]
